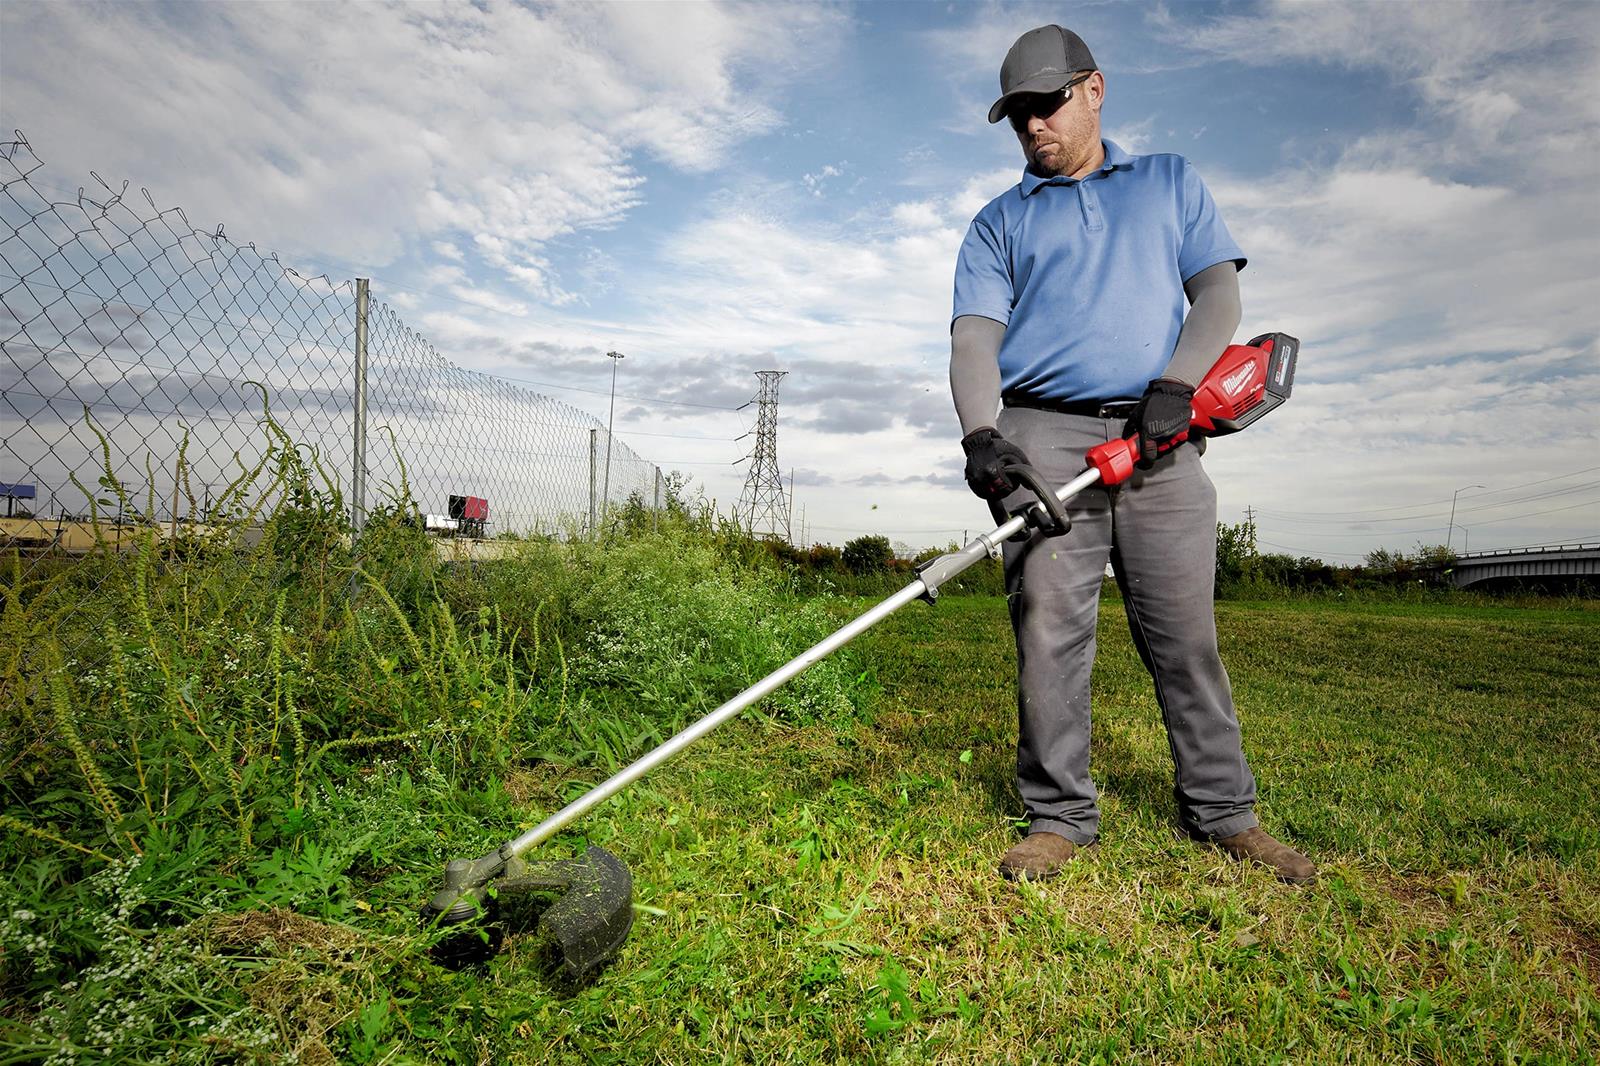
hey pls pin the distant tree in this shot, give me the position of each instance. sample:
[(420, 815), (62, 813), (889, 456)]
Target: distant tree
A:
[(1434, 555), (824, 559), (867, 555), (1236, 551), (1288, 572), (675, 495), (638, 514), (1314, 573), (1396, 567), (933, 553), (1382, 561), (1275, 569), (787, 554)]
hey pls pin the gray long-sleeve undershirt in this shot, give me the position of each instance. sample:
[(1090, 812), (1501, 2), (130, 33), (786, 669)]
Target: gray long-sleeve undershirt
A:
[(1213, 317)]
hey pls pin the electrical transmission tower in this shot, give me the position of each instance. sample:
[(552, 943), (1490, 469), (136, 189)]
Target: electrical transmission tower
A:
[(763, 504)]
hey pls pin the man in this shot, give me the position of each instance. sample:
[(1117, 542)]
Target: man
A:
[(1069, 318)]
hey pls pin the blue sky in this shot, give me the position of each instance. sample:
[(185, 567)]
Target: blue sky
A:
[(717, 189)]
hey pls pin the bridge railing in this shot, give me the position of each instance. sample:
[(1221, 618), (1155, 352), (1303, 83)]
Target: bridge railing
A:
[(1540, 549)]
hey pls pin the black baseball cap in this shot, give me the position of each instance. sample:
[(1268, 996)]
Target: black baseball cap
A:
[(1042, 61)]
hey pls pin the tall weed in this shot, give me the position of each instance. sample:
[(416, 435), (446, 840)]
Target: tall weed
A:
[(270, 717)]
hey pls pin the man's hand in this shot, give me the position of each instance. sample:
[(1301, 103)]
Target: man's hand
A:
[(988, 453), (1161, 419)]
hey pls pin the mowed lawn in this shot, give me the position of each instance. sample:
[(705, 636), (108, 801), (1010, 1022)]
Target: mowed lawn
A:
[(815, 895)]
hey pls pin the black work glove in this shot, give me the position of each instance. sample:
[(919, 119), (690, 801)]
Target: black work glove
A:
[(988, 453), (1161, 418)]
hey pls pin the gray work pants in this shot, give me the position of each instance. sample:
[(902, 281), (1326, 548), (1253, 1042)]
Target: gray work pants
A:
[(1158, 530)]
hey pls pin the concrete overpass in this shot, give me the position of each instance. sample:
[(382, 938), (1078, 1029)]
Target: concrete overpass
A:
[(1554, 564)]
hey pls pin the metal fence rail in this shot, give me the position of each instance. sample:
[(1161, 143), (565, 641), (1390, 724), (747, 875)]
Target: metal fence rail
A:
[(1552, 548), (128, 337)]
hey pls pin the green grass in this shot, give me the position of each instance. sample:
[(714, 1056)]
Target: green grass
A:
[(815, 883), (832, 897)]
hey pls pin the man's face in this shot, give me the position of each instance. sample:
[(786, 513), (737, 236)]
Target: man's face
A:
[(1060, 136)]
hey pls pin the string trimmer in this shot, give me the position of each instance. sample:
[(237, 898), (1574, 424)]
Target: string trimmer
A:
[(583, 907)]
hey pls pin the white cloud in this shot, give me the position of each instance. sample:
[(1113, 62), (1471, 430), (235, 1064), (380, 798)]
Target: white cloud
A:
[(814, 181), (859, 312), (979, 190), (916, 215), (1508, 79), (356, 130), (1441, 271), (490, 300), (1133, 137), (1442, 274)]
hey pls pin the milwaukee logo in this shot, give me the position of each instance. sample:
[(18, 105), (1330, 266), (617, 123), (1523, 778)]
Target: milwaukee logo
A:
[(1236, 381)]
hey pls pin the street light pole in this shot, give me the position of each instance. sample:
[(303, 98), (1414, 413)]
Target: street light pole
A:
[(1452, 528), (615, 357)]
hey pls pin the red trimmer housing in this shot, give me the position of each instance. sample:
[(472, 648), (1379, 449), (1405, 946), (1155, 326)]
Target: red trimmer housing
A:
[(1247, 382)]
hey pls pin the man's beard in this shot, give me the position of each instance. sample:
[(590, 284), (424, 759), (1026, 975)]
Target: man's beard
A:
[(1057, 163)]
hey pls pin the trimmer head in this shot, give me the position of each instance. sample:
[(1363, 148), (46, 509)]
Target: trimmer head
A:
[(582, 909)]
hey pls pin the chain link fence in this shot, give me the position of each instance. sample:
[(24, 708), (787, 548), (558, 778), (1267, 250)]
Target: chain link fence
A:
[(543, 466), (140, 358)]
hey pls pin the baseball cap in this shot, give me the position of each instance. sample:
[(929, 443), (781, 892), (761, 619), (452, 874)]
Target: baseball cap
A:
[(1042, 61)]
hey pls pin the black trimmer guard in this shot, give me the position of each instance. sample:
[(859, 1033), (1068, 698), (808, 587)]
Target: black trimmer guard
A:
[(582, 909)]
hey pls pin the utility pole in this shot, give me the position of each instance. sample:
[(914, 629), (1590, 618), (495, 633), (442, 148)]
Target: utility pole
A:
[(615, 357), (762, 501), (1452, 527), (1250, 514)]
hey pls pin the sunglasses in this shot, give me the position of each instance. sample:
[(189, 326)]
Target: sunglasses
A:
[(1021, 108)]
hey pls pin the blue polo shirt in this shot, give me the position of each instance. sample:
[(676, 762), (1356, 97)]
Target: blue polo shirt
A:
[(1087, 275)]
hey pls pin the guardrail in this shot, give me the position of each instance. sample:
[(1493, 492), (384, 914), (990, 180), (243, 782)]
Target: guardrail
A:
[(1545, 549)]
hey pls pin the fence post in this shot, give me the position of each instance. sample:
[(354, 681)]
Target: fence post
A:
[(594, 455), (655, 515), (358, 475)]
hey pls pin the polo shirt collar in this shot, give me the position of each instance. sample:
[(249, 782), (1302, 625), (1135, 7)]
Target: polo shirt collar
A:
[(1116, 159)]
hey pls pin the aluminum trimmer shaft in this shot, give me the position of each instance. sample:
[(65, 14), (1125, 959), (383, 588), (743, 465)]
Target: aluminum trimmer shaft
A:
[(924, 586), (590, 921)]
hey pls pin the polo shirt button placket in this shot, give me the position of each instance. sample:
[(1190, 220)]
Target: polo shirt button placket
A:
[(1091, 208)]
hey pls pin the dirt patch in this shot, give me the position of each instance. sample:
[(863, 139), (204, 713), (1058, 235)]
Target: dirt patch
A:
[(1415, 891), (315, 979), (544, 784), (282, 928), (307, 1008), (1547, 925), (1579, 945)]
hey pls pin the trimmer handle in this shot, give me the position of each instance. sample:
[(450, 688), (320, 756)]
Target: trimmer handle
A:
[(1115, 459), (1046, 514)]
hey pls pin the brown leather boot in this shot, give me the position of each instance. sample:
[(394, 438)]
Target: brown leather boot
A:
[(1037, 857), (1255, 845)]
